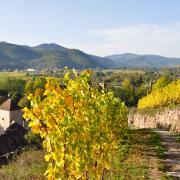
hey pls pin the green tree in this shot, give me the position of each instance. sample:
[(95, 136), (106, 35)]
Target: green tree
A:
[(16, 96), (12, 85), (24, 102), (36, 83), (127, 93)]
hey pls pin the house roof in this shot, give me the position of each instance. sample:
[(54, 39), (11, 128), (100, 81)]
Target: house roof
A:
[(9, 105)]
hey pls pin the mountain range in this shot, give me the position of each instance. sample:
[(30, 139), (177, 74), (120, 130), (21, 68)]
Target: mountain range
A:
[(51, 56), (140, 61)]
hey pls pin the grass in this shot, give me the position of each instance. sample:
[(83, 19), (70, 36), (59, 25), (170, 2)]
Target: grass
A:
[(123, 71), (21, 75), (12, 74), (177, 137), (29, 164), (166, 177), (138, 157), (159, 148), (155, 140), (154, 111), (134, 160)]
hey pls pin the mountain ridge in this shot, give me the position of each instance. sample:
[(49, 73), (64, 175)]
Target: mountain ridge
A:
[(52, 55), (46, 56), (145, 60)]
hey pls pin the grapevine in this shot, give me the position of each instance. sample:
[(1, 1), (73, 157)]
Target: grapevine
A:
[(81, 127), (165, 96)]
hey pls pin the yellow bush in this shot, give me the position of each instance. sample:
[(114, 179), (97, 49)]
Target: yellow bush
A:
[(168, 95), (81, 127)]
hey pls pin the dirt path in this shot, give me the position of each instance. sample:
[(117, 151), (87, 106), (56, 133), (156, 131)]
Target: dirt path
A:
[(172, 161)]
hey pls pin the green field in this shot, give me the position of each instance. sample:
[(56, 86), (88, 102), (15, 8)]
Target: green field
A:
[(21, 75), (12, 74), (124, 71)]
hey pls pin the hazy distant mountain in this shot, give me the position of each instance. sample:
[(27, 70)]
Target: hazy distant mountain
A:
[(51, 46), (52, 56), (149, 61)]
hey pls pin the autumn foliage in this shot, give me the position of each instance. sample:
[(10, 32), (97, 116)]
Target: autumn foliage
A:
[(81, 127), (159, 97)]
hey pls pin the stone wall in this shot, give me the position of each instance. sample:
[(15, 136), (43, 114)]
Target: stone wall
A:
[(169, 119)]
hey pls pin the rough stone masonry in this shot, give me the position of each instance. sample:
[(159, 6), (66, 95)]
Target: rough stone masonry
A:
[(168, 119)]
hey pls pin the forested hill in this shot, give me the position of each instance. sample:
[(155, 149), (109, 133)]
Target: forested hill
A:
[(52, 56), (141, 61)]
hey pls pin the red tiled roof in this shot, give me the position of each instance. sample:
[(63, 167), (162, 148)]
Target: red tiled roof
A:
[(9, 105)]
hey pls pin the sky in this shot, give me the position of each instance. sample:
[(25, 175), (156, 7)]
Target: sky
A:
[(99, 27)]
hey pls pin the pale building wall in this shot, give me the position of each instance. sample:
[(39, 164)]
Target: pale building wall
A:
[(4, 120), (7, 117)]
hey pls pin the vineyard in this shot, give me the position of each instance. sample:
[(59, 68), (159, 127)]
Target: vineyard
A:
[(168, 95), (81, 127)]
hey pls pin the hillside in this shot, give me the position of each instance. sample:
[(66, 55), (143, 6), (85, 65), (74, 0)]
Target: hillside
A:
[(14, 56), (52, 56), (140, 61)]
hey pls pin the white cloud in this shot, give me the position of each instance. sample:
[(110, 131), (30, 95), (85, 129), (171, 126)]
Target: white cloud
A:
[(142, 39)]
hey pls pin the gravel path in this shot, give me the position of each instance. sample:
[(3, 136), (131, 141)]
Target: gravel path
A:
[(172, 159)]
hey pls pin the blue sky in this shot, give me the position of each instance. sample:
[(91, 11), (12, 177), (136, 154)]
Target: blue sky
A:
[(100, 27)]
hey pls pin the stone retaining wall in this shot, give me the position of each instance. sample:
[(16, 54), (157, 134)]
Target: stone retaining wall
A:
[(169, 119)]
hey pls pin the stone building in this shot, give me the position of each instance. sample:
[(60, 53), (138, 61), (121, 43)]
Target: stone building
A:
[(10, 113)]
